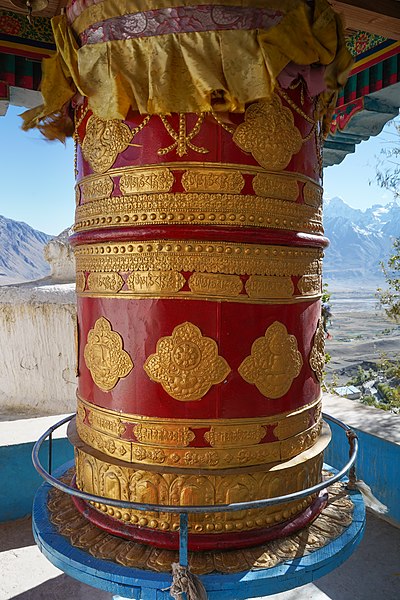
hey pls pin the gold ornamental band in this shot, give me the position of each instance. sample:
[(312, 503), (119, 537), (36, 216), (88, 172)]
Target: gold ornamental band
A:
[(198, 209), (231, 442), (210, 458), (114, 479), (201, 256), (200, 177), (258, 289)]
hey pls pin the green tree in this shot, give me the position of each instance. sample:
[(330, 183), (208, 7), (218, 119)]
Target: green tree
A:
[(388, 165), (388, 177), (390, 296)]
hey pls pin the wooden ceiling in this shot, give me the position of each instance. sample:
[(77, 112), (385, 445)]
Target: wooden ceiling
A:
[(381, 17)]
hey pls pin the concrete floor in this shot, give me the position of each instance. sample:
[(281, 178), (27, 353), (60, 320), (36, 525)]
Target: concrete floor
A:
[(372, 573)]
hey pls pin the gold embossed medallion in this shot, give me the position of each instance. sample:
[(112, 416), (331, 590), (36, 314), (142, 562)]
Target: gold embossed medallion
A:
[(104, 140), (317, 356), (186, 363), (274, 362), (269, 134), (105, 357)]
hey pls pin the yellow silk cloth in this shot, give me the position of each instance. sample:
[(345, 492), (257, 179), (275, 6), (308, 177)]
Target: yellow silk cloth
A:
[(185, 72)]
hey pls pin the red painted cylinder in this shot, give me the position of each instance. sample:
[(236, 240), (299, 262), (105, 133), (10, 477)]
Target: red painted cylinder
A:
[(198, 244)]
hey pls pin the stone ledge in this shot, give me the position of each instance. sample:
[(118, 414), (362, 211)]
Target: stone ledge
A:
[(367, 419)]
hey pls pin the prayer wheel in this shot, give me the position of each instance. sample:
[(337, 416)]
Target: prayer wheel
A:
[(198, 243)]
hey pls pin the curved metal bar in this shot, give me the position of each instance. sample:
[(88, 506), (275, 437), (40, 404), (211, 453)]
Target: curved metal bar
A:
[(168, 508)]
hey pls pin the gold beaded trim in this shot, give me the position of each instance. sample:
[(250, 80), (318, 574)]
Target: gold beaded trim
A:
[(198, 209), (200, 256)]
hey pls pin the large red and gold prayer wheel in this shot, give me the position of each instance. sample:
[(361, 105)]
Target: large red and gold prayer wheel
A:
[(198, 249), (198, 243)]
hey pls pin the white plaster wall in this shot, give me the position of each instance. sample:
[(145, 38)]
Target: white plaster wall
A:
[(37, 348)]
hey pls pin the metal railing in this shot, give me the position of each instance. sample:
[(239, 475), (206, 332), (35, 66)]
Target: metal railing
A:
[(184, 510)]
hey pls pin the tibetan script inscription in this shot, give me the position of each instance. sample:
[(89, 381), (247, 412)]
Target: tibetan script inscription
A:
[(213, 180), (260, 286), (309, 285), (228, 436), (150, 282), (164, 435), (215, 284), (142, 181), (276, 186), (105, 282), (97, 188)]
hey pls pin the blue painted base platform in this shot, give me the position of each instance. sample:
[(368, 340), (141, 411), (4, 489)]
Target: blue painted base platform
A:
[(128, 583)]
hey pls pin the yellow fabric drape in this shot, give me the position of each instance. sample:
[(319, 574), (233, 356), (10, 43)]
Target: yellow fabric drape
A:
[(186, 72)]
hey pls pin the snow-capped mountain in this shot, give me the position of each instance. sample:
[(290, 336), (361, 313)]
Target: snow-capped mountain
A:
[(359, 240), (21, 252)]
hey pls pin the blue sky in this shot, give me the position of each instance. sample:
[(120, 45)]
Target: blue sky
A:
[(37, 177)]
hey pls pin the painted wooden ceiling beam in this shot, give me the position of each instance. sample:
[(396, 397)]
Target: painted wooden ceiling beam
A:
[(381, 17)]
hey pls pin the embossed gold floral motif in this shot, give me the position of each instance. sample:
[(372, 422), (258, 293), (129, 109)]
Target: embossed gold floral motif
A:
[(333, 520), (97, 188), (269, 134), (103, 141), (153, 282), (186, 363), (276, 186), (104, 356), (80, 281), (143, 181), (261, 286), (105, 282), (317, 356), (215, 284), (213, 180), (274, 362), (310, 285)]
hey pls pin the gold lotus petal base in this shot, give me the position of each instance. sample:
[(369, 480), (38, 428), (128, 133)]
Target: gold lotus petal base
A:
[(112, 478), (331, 523)]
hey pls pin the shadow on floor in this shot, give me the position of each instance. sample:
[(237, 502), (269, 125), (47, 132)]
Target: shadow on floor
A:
[(8, 539), (63, 587), (373, 572)]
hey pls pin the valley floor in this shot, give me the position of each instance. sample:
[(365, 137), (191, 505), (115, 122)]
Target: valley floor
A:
[(360, 334)]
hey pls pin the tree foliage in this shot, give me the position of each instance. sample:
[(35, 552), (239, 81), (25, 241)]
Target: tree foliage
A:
[(390, 297), (388, 166), (388, 177)]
